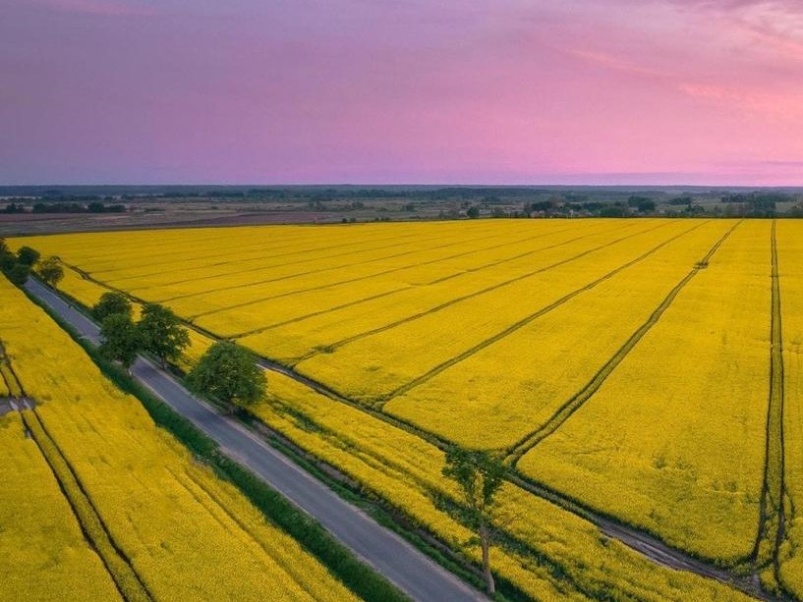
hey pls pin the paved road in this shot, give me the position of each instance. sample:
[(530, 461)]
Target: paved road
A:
[(413, 572)]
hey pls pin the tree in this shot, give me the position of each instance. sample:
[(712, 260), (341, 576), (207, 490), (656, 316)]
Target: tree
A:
[(473, 212), (27, 256), (121, 339), (479, 475), (50, 271), (229, 373), (162, 333), (18, 273), (109, 304)]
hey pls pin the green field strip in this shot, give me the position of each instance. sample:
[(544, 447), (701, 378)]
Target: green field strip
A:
[(525, 321), (773, 511), (515, 452), (374, 297), (334, 268), (117, 563)]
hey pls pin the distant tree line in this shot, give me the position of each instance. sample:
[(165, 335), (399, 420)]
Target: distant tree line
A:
[(757, 204), (64, 207)]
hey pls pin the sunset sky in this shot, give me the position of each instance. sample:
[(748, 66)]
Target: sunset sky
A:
[(402, 91)]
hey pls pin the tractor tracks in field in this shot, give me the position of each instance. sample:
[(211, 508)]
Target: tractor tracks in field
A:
[(418, 315), (772, 522), (261, 254), (94, 529), (525, 321), (256, 283), (337, 344), (350, 280), (643, 543), (514, 453)]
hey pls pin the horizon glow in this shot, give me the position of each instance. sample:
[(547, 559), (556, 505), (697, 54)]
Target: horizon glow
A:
[(587, 92)]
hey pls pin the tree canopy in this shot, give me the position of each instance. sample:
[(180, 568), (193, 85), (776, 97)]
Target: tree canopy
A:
[(162, 333), (109, 304), (121, 339), (28, 256), (479, 475), (229, 373), (50, 271)]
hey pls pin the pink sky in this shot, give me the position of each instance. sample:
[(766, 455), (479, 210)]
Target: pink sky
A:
[(402, 91)]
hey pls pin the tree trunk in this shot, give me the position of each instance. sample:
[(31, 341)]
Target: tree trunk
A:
[(485, 542)]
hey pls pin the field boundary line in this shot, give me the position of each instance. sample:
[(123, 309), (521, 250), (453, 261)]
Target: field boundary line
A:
[(523, 322), (772, 517), (644, 543), (261, 251), (406, 287), (95, 530), (310, 272), (529, 441), (439, 307), (331, 268), (332, 285)]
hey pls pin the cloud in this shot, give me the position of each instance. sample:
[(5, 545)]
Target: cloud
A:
[(776, 23)]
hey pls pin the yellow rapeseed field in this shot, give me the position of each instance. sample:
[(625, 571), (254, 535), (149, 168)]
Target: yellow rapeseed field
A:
[(790, 244), (681, 421), (479, 331), (516, 384), (569, 559), (374, 367), (44, 555), (188, 535)]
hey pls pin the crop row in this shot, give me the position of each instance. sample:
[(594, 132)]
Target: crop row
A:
[(657, 443), (790, 552), (45, 554), (562, 556), (186, 533)]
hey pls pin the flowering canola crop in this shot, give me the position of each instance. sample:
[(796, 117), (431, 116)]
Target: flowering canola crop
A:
[(44, 555), (482, 332), (790, 244), (681, 421), (187, 534)]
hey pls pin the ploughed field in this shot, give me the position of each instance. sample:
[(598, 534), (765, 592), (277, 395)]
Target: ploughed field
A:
[(649, 370)]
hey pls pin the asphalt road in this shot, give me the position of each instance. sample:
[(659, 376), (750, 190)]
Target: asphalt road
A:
[(410, 570)]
